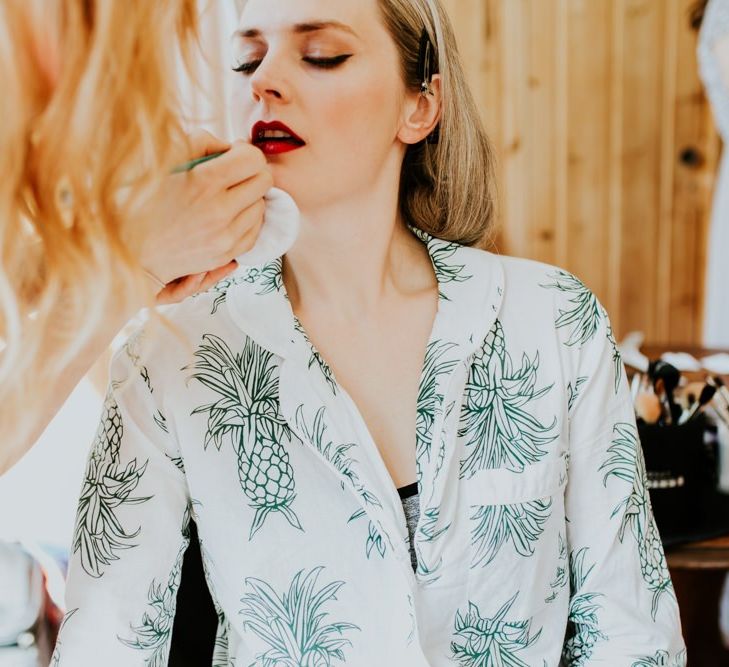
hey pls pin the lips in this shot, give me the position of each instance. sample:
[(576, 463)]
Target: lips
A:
[(274, 138)]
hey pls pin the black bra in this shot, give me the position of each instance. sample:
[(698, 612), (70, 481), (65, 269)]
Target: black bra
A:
[(407, 491)]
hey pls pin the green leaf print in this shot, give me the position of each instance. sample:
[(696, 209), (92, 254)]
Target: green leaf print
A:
[(374, 539), (441, 253), (491, 642), (291, 624), (221, 289), (56, 657), (583, 631), (661, 659), (153, 634), (316, 434), (625, 462), (583, 316), (269, 277), (499, 430), (247, 413), (108, 485), (316, 359), (561, 575), (434, 367), (574, 392), (495, 525)]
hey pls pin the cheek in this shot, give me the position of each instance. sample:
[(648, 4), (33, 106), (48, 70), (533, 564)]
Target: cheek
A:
[(362, 112)]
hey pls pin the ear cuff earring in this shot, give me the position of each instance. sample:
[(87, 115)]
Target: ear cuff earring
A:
[(426, 66)]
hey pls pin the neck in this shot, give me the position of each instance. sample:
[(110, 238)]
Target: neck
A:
[(354, 254)]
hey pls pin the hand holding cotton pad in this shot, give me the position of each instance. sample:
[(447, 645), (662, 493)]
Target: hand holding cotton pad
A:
[(281, 222)]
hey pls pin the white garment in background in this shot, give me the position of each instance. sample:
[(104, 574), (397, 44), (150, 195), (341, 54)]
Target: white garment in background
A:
[(714, 28)]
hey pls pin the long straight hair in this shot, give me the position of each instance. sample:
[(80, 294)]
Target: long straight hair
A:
[(69, 148)]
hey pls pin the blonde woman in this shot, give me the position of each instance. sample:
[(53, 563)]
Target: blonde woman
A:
[(92, 225), (384, 353)]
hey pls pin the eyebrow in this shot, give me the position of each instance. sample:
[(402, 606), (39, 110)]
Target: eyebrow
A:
[(301, 29)]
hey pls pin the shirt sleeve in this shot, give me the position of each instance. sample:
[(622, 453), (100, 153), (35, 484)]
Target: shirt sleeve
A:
[(130, 535), (622, 609)]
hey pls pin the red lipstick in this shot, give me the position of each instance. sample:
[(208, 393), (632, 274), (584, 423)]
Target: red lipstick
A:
[(274, 138)]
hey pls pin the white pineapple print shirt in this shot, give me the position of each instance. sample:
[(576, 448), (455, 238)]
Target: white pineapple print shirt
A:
[(536, 545)]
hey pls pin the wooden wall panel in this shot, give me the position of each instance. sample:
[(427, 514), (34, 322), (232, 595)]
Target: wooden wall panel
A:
[(591, 105)]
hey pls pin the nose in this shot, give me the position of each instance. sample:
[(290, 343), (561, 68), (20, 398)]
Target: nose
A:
[(268, 82)]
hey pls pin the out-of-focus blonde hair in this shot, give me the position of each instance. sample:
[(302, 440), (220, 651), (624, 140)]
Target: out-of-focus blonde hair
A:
[(68, 149), (448, 188)]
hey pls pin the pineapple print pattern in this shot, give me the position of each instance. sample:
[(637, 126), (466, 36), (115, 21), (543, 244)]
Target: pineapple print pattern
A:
[(662, 659), (247, 414), (498, 429), (584, 316), (582, 621), (292, 624), (268, 278), (625, 462), (441, 254), (56, 657), (316, 359), (561, 575), (495, 525), (316, 433), (152, 636), (374, 539), (221, 291), (491, 642), (436, 365), (108, 485)]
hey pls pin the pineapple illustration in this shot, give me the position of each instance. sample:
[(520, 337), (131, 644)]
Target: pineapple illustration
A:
[(582, 620), (247, 414), (495, 525), (491, 642), (108, 484), (291, 624), (584, 316), (56, 657), (499, 430), (661, 659), (441, 252), (153, 634), (428, 398), (626, 463)]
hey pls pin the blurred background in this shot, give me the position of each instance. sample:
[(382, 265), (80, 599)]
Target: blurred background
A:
[(606, 118)]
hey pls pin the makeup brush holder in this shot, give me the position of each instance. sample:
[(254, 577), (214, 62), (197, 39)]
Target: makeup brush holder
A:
[(682, 474)]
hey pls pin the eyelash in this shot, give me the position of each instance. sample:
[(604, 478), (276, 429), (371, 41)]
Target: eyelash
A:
[(323, 63)]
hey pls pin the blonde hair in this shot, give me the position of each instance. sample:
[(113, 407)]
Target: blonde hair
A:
[(69, 149), (447, 188)]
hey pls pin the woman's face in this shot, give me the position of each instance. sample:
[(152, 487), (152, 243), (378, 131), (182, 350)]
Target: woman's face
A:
[(330, 72)]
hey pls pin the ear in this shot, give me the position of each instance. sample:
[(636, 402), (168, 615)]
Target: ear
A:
[(421, 113)]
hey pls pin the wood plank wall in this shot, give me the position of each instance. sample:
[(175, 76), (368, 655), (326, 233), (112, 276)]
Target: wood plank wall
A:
[(606, 145)]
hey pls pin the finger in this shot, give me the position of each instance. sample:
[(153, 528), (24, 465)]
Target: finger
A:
[(236, 166), (248, 227), (180, 289), (243, 196), (203, 143), (215, 276)]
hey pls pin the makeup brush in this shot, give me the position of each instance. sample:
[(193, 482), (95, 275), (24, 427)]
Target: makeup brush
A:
[(191, 164), (670, 375), (707, 393)]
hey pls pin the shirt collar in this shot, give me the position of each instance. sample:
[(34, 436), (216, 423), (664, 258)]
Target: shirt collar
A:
[(470, 285)]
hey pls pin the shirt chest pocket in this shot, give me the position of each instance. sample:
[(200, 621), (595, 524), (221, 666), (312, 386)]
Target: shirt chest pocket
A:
[(499, 486)]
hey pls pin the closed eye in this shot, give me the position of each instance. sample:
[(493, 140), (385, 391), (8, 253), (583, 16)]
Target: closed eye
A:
[(322, 63)]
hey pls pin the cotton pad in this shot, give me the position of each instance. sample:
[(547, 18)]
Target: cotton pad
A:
[(281, 223)]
